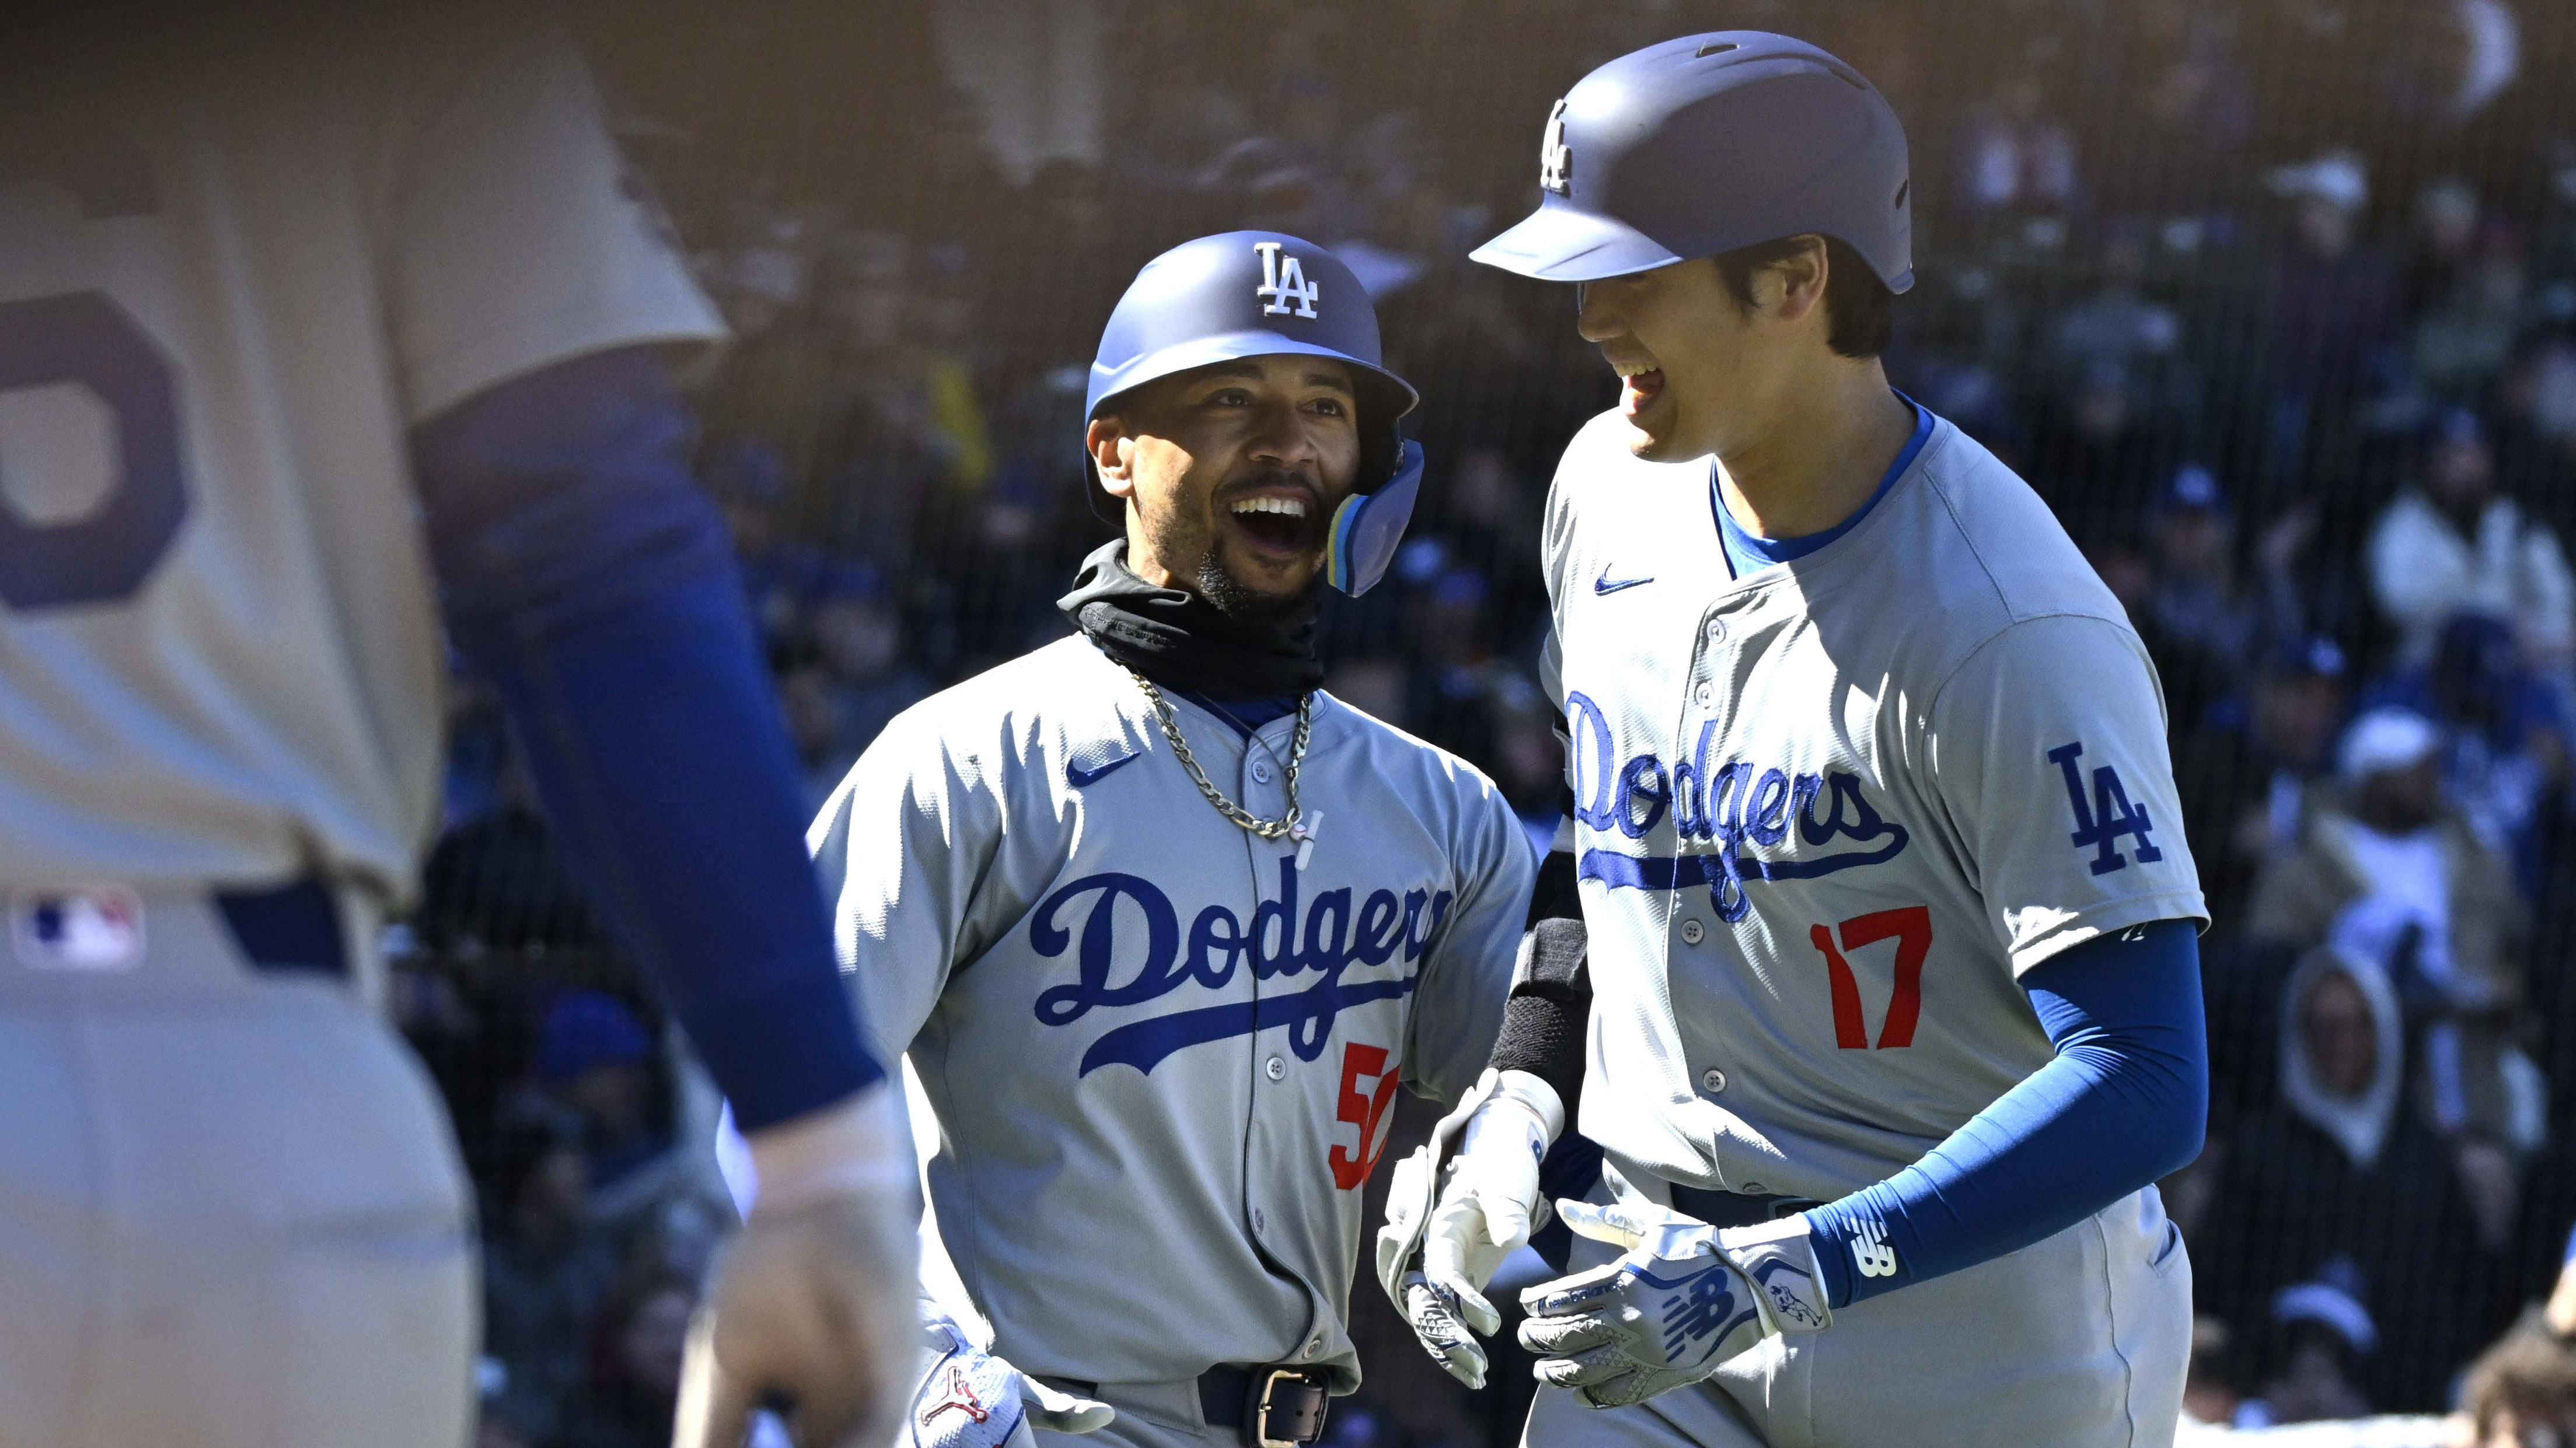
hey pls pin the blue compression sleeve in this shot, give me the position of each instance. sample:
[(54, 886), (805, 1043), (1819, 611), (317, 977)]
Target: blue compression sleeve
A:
[(2125, 1102), (584, 573)]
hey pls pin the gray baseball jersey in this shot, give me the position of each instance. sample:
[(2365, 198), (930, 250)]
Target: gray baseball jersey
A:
[(1827, 813), (1161, 1050), (220, 313)]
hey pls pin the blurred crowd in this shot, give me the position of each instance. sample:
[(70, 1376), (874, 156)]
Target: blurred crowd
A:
[(2273, 300)]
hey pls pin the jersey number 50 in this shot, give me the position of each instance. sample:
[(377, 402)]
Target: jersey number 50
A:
[(81, 340)]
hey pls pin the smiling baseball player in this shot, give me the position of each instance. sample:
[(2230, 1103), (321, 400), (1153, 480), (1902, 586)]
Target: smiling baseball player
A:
[(1883, 1000), (1163, 925)]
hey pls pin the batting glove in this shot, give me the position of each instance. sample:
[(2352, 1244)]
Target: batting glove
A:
[(813, 1301), (1683, 1299), (972, 1399), (1487, 1206)]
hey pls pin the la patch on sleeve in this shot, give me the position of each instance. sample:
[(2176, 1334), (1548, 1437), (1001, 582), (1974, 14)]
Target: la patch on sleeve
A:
[(2107, 817)]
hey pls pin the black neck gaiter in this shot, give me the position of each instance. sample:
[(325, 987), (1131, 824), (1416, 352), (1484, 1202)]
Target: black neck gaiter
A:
[(1180, 640)]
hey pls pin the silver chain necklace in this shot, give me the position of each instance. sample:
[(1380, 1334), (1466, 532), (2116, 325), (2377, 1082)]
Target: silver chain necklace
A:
[(1293, 826)]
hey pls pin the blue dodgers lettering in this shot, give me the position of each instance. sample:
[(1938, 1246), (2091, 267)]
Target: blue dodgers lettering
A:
[(1690, 778), (1733, 804), (1642, 778), (1768, 822), (1327, 940), (1589, 729)]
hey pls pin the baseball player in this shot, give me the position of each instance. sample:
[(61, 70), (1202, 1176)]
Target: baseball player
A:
[(1163, 925), (308, 338), (1881, 995)]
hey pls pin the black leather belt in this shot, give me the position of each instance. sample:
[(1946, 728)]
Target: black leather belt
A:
[(1273, 1407), (1735, 1209)]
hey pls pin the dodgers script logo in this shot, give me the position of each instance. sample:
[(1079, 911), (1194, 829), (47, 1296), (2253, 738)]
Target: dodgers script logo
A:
[(1733, 803), (1333, 939)]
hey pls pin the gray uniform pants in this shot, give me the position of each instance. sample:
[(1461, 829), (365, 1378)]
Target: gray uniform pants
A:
[(231, 1210), (1150, 1415), (2078, 1341)]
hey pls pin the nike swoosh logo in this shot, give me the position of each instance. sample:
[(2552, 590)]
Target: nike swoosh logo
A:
[(1606, 584), (1081, 776)]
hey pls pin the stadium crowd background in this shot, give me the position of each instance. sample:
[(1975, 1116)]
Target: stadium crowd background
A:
[(2274, 300)]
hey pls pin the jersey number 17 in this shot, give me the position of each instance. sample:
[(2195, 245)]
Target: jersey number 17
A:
[(1911, 929)]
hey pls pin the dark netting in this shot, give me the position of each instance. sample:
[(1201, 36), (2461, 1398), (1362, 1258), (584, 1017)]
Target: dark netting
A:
[(2273, 300)]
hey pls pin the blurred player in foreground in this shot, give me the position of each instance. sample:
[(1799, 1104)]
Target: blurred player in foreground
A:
[(309, 338), (1886, 953), (1163, 925)]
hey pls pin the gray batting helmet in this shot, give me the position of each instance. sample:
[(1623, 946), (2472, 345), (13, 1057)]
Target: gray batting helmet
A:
[(1708, 143), (1259, 293)]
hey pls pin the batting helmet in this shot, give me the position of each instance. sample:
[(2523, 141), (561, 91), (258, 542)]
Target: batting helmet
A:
[(1708, 143), (1256, 294)]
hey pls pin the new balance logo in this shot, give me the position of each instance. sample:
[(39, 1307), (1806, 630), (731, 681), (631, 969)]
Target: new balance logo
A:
[(1283, 280), (1703, 1310), (2108, 815), (1869, 1249), (1555, 157)]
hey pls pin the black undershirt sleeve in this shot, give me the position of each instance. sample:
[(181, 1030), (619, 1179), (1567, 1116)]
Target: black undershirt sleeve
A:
[(1545, 1020)]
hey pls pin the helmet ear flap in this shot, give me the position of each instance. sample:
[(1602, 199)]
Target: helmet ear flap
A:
[(1368, 527), (1382, 405)]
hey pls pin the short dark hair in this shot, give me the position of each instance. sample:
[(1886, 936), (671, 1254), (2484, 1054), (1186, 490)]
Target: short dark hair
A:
[(1860, 312)]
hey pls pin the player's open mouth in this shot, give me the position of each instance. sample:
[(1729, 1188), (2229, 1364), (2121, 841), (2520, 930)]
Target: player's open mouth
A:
[(1278, 523), (1639, 390)]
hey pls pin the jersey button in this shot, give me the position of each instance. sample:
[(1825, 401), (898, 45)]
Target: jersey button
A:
[(1704, 694), (1716, 629), (1260, 772), (1692, 930), (1314, 1347), (1260, 1223), (1714, 1079), (1275, 1068)]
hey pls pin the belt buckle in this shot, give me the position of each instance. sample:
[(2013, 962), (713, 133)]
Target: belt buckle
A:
[(1265, 1387)]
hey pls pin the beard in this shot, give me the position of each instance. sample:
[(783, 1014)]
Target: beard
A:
[(1228, 595)]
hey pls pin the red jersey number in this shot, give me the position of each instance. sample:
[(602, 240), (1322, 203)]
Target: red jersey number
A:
[(1365, 1110), (1911, 929)]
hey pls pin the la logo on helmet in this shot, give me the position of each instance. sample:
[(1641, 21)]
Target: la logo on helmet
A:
[(1555, 158), (1283, 280)]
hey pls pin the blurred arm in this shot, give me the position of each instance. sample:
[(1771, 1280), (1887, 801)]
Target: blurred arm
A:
[(583, 573)]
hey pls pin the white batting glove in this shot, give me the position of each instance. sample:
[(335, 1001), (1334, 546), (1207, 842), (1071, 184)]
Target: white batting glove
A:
[(1488, 1205), (972, 1399), (1684, 1298), (814, 1299)]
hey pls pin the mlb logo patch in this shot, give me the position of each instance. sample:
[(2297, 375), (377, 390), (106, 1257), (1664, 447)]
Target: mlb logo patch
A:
[(97, 927)]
